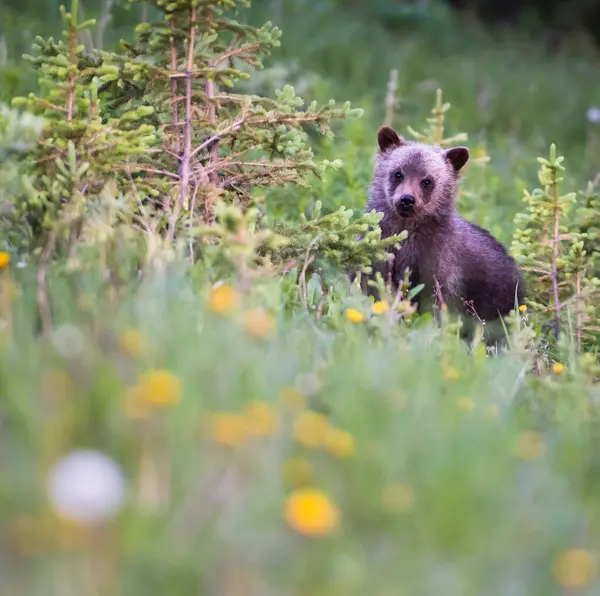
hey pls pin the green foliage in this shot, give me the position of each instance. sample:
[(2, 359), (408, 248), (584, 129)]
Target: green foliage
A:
[(208, 472), (204, 334), (79, 151), (218, 143), (550, 246), (19, 134)]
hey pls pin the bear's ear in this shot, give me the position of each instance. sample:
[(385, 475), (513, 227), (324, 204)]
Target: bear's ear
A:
[(457, 156), (388, 138)]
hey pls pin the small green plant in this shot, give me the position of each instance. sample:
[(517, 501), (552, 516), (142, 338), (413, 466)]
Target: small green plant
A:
[(551, 245)]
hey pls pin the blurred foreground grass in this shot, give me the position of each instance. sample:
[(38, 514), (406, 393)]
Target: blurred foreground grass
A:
[(257, 454)]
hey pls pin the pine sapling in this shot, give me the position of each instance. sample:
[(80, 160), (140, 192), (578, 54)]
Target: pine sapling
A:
[(539, 243)]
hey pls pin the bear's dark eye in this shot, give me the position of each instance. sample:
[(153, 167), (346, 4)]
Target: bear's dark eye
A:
[(398, 175), (426, 182)]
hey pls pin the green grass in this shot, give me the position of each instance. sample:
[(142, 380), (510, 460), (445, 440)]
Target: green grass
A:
[(468, 475), (498, 468)]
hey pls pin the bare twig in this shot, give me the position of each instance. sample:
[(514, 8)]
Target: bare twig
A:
[(185, 168), (555, 254)]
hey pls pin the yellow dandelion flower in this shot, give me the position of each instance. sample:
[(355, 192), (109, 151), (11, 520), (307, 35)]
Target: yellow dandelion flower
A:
[(530, 446), (259, 323), (451, 373), (311, 512), (558, 368), (379, 308), (310, 429), (132, 342), (228, 428), (292, 397), (260, 419), (492, 411), (575, 568), (339, 442), (223, 299), (398, 498), (4, 260), (480, 153), (354, 315), (466, 404), (523, 308), (298, 471), (159, 388)]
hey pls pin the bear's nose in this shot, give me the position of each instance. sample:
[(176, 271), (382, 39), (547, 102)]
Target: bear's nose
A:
[(405, 203)]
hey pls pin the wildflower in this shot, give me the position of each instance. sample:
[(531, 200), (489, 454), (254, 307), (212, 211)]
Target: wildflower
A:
[(86, 487), (310, 429), (310, 511), (530, 445), (4, 260), (338, 442), (260, 419), (466, 404), (444, 307), (451, 373), (398, 498), (354, 315), (379, 308), (223, 299), (558, 368), (228, 428), (68, 340), (258, 323), (292, 397), (309, 383), (575, 568), (132, 342), (523, 308), (298, 471), (492, 411), (159, 388)]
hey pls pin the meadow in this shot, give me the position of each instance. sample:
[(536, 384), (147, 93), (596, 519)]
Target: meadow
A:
[(217, 421)]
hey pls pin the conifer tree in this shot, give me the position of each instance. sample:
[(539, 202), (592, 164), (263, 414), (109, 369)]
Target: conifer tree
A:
[(552, 246), (217, 144), (79, 150)]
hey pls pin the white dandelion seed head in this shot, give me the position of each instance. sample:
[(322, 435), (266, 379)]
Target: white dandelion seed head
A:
[(593, 115), (309, 383), (68, 340), (87, 486)]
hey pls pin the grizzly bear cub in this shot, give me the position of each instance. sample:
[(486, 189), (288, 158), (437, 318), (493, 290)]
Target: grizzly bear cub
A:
[(459, 263)]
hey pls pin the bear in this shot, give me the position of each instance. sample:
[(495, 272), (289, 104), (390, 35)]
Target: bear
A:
[(459, 263)]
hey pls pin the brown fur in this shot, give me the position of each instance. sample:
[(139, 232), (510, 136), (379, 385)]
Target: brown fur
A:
[(475, 273)]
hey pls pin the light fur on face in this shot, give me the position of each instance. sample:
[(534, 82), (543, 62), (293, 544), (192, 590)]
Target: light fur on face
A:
[(426, 172)]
